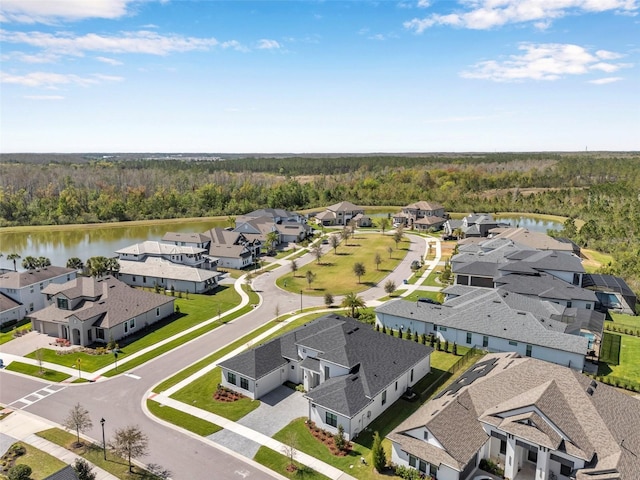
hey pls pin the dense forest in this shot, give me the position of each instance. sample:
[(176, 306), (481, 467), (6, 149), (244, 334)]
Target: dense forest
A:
[(601, 189)]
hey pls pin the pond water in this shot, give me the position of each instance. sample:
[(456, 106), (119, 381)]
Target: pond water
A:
[(60, 245), (532, 224)]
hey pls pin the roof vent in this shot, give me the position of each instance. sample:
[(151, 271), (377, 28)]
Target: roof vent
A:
[(521, 313), (590, 391), (593, 384)]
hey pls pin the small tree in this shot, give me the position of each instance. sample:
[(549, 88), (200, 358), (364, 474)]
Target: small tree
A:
[(130, 442), (328, 299), (397, 237), (316, 250), (78, 420), (432, 341), (416, 337), (377, 260), (390, 287), (310, 277), (334, 241), (384, 328), (378, 457), (294, 267), (407, 334), (390, 250), (39, 357), (438, 344), (20, 472), (353, 302), (84, 469), (338, 438), (289, 448), (454, 349), (446, 346), (384, 224), (359, 270)]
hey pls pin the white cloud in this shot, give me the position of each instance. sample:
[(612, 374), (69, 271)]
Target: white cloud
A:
[(31, 58), (44, 97), (550, 61), (424, 3), (606, 80), (48, 11), (126, 42), (266, 44), (110, 61), (52, 80), (486, 14)]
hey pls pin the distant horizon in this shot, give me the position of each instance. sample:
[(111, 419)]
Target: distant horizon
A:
[(319, 76)]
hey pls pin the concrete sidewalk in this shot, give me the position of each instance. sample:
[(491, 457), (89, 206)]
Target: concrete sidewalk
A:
[(22, 427)]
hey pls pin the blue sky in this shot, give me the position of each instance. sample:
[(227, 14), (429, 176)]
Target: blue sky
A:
[(320, 76)]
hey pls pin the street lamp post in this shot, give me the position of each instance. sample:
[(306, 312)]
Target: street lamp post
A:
[(79, 371), (104, 443), (300, 301)]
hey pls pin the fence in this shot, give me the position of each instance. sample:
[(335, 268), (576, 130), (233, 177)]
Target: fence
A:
[(462, 362)]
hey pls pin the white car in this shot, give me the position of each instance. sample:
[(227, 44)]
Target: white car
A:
[(482, 477)]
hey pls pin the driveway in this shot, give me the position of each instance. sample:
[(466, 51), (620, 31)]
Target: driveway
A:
[(27, 343), (277, 409)]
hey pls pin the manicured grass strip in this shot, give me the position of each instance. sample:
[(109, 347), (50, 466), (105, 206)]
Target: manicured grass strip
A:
[(278, 463), (42, 464), (621, 320), (610, 348), (93, 453), (34, 371), (182, 419), (628, 366), (8, 335), (199, 393), (194, 310), (422, 294)]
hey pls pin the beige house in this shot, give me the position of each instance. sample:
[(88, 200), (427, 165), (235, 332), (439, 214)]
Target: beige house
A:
[(90, 310), (339, 214)]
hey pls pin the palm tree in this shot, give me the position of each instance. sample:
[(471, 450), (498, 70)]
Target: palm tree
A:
[(43, 262), (75, 263), (359, 270), (29, 263), (113, 266), (353, 303), (272, 239), (96, 266), (14, 257)]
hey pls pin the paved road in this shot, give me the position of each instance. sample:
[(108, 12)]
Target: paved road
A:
[(119, 400)]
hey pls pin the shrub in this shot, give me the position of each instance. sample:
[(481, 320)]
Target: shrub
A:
[(446, 346), (338, 438), (20, 472), (379, 458)]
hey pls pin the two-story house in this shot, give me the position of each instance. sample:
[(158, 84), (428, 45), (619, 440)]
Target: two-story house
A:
[(351, 373), (339, 214), (421, 215)]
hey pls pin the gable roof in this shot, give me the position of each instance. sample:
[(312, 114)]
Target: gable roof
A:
[(544, 285), (546, 403), (537, 240), (185, 237), (424, 205), (162, 268), (13, 279), (150, 247), (67, 473), (344, 207), (7, 303)]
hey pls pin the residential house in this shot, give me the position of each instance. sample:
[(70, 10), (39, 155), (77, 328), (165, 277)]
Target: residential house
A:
[(537, 420), (339, 214), (351, 373), (501, 321), (421, 215), (612, 292), (187, 255), (198, 240), (22, 290), (87, 310), (290, 226), (536, 240), (473, 225), (277, 215), (232, 249)]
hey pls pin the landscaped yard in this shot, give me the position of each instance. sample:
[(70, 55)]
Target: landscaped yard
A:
[(42, 464), (334, 271), (6, 334), (35, 371), (193, 311), (278, 463), (182, 419), (628, 367)]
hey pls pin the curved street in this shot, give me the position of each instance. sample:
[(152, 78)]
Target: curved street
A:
[(119, 400)]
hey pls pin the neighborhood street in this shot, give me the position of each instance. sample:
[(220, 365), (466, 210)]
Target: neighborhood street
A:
[(119, 400)]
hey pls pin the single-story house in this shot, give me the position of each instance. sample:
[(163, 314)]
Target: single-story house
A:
[(537, 420), (495, 320), (24, 289), (338, 214), (351, 373), (87, 310)]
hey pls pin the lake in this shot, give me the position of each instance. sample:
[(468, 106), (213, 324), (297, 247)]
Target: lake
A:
[(532, 224)]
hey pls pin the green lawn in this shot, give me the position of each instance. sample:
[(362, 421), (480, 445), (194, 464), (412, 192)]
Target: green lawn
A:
[(199, 393), (41, 463), (610, 349), (7, 336), (422, 294), (620, 320), (629, 363), (193, 311), (334, 272), (182, 419), (93, 453), (278, 463), (34, 370)]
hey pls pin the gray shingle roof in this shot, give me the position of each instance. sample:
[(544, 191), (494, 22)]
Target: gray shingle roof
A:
[(67, 473), (29, 277), (185, 237), (600, 421), (544, 285), (257, 362)]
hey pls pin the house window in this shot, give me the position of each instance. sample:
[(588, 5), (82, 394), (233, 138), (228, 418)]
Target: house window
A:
[(100, 333), (569, 304), (485, 341), (157, 312), (411, 375), (132, 323), (384, 397), (565, 470), (413, 461), (588, 306), (331, 419), (443, 329), (63, 303), (396, 386), (126, 327), (244, 383), (422, 466), (426, 435), (231, 378), (435, 327), (528, 352), (433, 470), (503, 447), (133, 279), (513, 343), (41, 286), (469, 337), (144, 279), (31, 307), (326, 373)]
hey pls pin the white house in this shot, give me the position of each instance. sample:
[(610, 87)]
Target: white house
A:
[(87, 310), (186, 255), (537, 420), (496, 321), (24, 289), (232, 249), (351, 373)]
